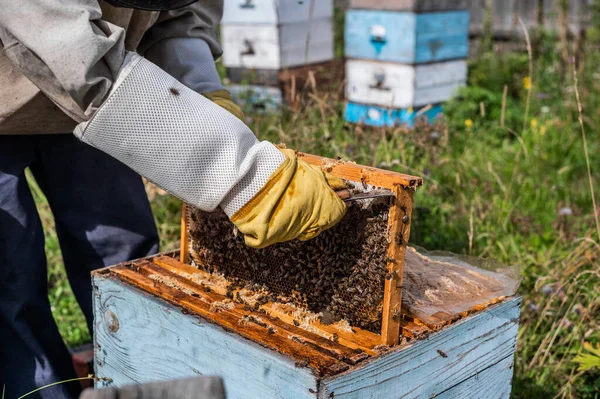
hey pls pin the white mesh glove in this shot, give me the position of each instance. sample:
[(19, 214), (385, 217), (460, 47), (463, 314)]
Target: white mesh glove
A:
[(179, 140)]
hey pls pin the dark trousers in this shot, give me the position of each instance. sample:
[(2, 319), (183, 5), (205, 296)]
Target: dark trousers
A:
[(102, 217)]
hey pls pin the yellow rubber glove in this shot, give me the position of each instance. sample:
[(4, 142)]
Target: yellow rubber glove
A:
[(336, 183), (296, 202), (223, 99)]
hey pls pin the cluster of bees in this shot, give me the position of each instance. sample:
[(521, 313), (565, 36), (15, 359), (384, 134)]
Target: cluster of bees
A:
[(340, 274)]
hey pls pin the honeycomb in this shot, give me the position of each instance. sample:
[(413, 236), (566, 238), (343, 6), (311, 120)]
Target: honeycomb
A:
[(340, 274)]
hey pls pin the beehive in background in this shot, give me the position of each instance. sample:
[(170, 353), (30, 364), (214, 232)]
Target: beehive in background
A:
[(260, 38), (404, 58)]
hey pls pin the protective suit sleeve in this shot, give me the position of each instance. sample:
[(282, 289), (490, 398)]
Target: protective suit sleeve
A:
[(179, 139), (64, 48), (199, 20), (188, 60)]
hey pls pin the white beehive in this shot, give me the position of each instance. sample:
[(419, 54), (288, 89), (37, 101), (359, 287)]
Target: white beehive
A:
[(402, 85), (275, 34)]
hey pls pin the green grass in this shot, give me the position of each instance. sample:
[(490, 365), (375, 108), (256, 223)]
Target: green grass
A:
[(518, 195)]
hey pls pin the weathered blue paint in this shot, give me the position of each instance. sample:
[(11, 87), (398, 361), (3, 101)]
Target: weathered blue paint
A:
[(257, 98), (139, 338), (407, 37), (492, 382), (373, 115), (155, 341), (439, 363)]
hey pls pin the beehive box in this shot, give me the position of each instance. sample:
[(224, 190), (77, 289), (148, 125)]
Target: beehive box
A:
[(407, 37), (275, 34), (378, 116), (410, 5), (161, 317), (393, 85)]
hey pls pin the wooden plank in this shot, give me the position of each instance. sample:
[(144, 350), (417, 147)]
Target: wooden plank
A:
[(253, 76), (360, 173), (306, 43), (184, 252), (410, 5), (275, 11), (251, 46), (380, 83), (432, 366), (399, 226), (282, 327), (232, 319), (442, 36), (438, 76), (505, 16), (197, 387), (495, 382), (154, 341), (377, 116), (359, 339), (406, 37), (380, 35)]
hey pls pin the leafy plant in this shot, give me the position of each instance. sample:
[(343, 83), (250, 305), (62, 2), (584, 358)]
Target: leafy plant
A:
[(590, 360)]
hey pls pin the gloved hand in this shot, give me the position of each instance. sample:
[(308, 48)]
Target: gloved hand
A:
[(223, 99), (296, 202)]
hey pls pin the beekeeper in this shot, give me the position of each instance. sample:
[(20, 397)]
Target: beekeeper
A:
[(151, 99)]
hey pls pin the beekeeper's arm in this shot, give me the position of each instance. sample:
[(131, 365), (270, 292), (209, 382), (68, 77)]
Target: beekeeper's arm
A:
[(131, 109), (184, 44)]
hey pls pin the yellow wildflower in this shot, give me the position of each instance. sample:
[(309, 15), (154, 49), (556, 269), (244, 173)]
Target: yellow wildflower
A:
[(468, 123), (527, 82), (533, 123), (543, 130)]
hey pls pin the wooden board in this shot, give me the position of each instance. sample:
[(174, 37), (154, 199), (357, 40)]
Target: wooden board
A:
[(436, 365), (253, 76), (494, 382), (251, 46), (399, 227), (410, 5), (275, 11), (142, 337), (355, 172), (155, 341), (373, 115), (406, 37), (402, 86), (277, 46), (354, 338), (306, 43), (197, 387), (506, 14)]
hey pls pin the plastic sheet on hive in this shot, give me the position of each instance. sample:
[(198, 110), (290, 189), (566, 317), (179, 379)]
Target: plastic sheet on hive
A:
[(440, 287)]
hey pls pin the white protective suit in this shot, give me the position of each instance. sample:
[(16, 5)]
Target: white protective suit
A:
[(129, 107)]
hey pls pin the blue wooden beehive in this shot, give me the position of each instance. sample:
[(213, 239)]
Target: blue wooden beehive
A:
[(401, 60), (161, 318), (407, 37)]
